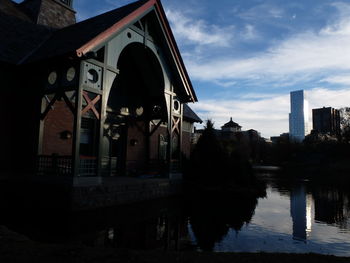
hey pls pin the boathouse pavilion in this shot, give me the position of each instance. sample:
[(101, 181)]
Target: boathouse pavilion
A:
[(100, 98)]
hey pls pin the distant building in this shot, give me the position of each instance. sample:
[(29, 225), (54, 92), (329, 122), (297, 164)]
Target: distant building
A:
[(248, 144), (299, 116), (231, 126), (284, 137), (229, 130), (326, 120)]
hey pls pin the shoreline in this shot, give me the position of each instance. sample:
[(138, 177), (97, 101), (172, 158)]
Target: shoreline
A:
[(18, 248)]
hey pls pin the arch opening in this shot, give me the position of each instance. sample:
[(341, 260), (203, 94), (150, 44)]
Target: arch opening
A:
[(135, 99)]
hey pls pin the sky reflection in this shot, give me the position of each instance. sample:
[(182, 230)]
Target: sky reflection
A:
[(287, 224)]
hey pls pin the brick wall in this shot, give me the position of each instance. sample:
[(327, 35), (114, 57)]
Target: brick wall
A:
[(186, 143), (55, 14), (59, 119), (136, 154)]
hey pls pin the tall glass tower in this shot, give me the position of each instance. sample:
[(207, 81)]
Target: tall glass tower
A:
[(299, 116)]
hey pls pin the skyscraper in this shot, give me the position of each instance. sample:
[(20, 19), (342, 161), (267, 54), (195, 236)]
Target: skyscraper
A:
[(326, 120), (298, 116)]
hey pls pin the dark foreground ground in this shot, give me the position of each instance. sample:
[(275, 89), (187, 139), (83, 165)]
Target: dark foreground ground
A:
[(17, 248)]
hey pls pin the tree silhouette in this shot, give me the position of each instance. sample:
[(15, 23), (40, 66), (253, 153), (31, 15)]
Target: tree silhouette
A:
[(209, 161), (345, 124)]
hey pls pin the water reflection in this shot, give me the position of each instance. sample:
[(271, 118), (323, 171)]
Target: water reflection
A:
[(294, 217), (331, 206), (300, 210), (163, 232), (212, 215), (158, 224), (298, 217)]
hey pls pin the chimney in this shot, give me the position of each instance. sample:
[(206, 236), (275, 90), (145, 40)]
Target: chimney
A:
[(50, 13)]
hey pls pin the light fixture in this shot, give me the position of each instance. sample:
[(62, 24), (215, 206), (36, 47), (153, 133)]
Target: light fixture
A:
[(65, 135), (139, 111), (133, 142)]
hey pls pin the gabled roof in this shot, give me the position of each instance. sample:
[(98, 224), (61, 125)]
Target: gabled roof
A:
[(190, 115), (70, 39), (24, 42), (80, 38)]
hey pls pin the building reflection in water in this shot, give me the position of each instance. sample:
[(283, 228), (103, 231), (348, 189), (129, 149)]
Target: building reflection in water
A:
[(157, 224), (331, 206), (163, 232), (301, 212)]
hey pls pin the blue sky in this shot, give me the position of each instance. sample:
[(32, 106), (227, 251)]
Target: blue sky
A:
[(245, 56)]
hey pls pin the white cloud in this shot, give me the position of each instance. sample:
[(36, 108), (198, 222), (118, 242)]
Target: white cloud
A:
[(199, 31), (307, 54), (249, 32), (263, 11), (251, 114), (338, 79), (319, 97), (267, 113)]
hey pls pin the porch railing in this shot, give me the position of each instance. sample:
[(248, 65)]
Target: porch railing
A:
[(88, 166), (54, 165), (63, 165)]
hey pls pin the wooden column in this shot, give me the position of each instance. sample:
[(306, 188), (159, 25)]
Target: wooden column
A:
[(77, 124)]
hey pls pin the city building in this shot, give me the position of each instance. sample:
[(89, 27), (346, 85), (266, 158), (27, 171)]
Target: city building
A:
[(326, 120), (85, 101), (283, 138), (299, 116)]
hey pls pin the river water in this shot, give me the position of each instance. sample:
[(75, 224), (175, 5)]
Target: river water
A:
[(298, 217)]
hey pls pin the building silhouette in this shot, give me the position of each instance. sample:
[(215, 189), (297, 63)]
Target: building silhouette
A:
[(299, 116), (326, 120), (94, 101)]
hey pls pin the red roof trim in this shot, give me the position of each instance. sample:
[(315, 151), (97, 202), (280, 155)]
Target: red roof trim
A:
[(115, 28), (174, 47)]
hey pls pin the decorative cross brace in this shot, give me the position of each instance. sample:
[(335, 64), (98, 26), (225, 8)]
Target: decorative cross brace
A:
[(176, 124), (91, 104), (156, 126), (58, 96)]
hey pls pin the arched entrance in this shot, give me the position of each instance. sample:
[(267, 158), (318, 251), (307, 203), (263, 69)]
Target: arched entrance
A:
[(135, 100)]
